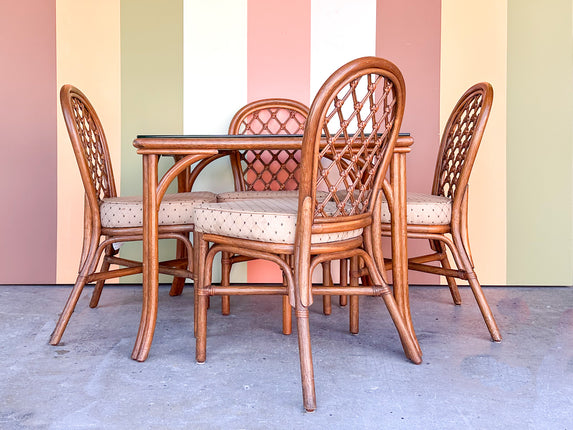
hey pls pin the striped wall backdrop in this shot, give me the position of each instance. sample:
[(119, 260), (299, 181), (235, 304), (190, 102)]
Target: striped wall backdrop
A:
[(185, 66)]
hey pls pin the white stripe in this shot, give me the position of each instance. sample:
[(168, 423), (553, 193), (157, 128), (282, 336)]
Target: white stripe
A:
[(341, 30), (214, 63), (214, 75), (214, 83)]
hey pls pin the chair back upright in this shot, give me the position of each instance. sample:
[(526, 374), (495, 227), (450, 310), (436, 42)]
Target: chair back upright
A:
[(460, 143), (90, 147), (357, 112), (266, 170)]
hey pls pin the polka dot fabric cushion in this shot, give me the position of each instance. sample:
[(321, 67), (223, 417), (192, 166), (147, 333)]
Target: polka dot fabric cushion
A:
[(424, 209), (242, 195), (266, 220), (175, 209)]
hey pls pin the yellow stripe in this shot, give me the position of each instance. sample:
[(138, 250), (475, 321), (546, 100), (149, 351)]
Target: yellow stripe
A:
[(88, 56), (474, 49)]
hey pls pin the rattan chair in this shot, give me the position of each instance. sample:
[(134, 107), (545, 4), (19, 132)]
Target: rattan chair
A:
[(110, 220), (355, 116), (268, 174), (442, 217), (263, 173)]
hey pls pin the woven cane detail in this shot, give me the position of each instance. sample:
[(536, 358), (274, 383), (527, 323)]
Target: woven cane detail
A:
[(94, 147), (357, 128), (459, 137), (266, 170)]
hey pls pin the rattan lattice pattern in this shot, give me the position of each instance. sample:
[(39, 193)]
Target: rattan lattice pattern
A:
[(265, 170), (357, 128), (94, 146), (459, 137)]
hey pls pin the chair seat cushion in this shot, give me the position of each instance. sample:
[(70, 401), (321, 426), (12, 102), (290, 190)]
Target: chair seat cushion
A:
[(265, 220), (424, 209), (242, 195), (116, 212)]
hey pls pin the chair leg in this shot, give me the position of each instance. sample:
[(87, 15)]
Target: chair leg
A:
[(201, 299), (354, 315), (408, 343), (97, 293), (457, 298), (463, 261), (484, 307), (68, 310), (354, 302), (178, 283), (91, 253), (343, 299), (287, 308), (326, 280), (225, 281), (287, 316), (201, 331), (99, 286), (305, 353)]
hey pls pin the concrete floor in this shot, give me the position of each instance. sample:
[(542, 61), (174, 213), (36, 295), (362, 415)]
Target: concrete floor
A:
[(251, 378)]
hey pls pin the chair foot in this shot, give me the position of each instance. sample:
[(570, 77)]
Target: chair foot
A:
[(493, 330), (305, 354), (454, 291), (96, 294), (326, 305), (68, 310), (177, 286), (484, 308), (287, 316), (225, 305), (409, 344), (445, 263), (201, 332), (354, 314)]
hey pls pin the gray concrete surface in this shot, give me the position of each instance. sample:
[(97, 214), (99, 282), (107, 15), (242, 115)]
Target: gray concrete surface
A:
[(251, 377)]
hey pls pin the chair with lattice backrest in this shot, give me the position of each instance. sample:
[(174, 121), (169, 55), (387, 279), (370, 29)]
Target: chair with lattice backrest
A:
[(442, 216), (266, 173), (347, 145), (110, 220), (266, 170), (263, 173)]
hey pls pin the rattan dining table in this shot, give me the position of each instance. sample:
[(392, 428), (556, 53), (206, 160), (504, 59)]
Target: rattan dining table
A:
[(190, 149)]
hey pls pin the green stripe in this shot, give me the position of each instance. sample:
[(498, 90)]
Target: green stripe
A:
[(151, 90), (540, 142)]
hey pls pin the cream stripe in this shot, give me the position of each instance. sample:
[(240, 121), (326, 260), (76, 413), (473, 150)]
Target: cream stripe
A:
[(340, 31), (88, 56), (474, 50), (215, 63), (215, 80), (215, 75)]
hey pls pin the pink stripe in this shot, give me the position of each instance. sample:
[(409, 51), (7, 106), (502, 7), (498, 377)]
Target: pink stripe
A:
[(409, 35), (278, 49), (278, 65), (28, 111)]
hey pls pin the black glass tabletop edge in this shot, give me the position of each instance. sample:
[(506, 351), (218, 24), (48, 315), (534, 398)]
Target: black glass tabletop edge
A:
[(218, 136)]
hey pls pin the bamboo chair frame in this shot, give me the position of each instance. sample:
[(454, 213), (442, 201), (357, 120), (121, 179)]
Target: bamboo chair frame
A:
[(262, 170), (456, 156), (374, 90), (251, 171), (92, 155)]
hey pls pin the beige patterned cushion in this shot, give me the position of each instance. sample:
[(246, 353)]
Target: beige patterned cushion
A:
[(242, 195), (424, 209), (266, 220), (175, 209)]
